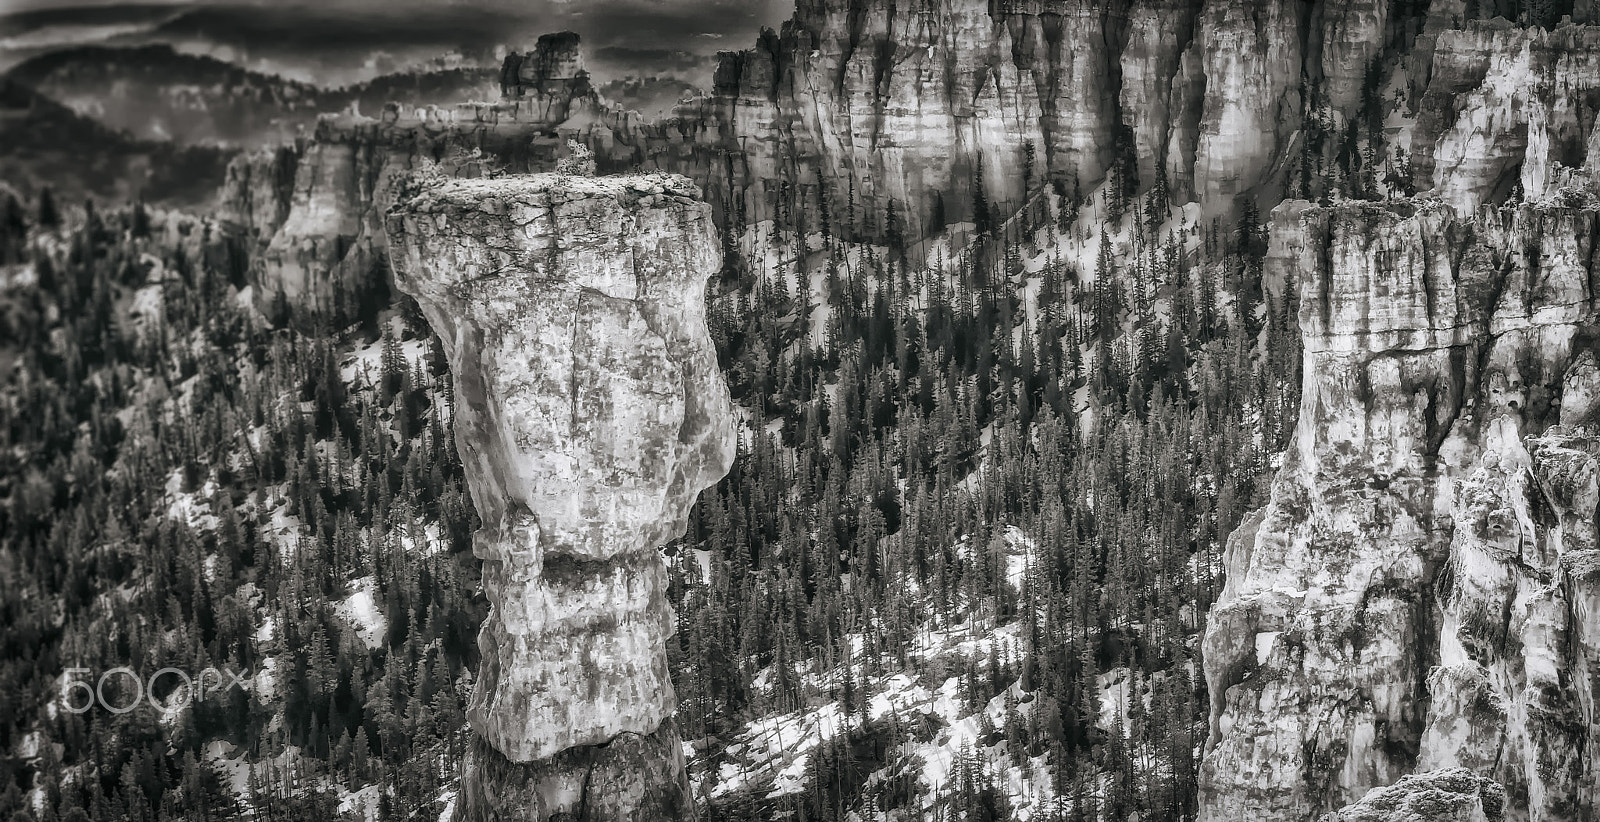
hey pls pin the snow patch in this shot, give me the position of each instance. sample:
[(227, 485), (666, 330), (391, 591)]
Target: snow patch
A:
[(361, 611), (1264, 640)]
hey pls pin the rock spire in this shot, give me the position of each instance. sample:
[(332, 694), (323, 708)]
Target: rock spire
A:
[(590, 413)]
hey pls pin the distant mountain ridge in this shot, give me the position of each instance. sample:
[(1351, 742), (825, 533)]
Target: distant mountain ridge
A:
[(158, 93), (47, 143)]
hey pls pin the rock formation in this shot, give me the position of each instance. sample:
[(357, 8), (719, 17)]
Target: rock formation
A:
[(1509, 110), (1420, 592), (1454, 795), (880, 108), (552, 74), (590, 413)]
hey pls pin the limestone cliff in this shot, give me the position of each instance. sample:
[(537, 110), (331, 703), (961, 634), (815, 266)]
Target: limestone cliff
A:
[(1419, 593), (590, 415)]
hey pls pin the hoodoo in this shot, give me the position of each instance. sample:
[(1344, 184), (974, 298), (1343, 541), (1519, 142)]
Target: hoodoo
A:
[(590, 413)]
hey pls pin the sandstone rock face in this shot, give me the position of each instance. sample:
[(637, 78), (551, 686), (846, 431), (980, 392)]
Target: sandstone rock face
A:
[(590, 415), (1416, 595)]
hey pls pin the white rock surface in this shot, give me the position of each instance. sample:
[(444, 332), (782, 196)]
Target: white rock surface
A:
[(590, 415)]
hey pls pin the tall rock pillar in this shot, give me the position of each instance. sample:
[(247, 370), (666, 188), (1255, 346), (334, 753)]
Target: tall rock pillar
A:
[(1413, 620), (590, 413)]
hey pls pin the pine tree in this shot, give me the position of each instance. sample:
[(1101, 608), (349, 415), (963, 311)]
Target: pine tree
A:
[(49, 215)]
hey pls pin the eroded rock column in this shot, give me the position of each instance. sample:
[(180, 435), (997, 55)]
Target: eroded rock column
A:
[(590, 413)]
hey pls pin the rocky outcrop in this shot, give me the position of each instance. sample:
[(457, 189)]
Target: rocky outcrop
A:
[(1510, 111), (590, 415), (1454, 795), (319, 237), (1415, 595)]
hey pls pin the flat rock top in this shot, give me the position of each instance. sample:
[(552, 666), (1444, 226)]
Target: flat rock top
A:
[(490, 194)]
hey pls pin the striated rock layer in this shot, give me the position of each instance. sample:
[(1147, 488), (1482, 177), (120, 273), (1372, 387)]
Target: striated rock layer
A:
[(590, 415), (883, 119), (1421, 591), (880, 119)]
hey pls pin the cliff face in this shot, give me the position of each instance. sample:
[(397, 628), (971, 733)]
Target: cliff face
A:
[(881, 107), (914, 103), (1418, 595), (1509, 109), (1419, 592), (590, 414)]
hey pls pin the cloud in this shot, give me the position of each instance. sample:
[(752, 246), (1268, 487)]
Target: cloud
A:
[(341, 41)]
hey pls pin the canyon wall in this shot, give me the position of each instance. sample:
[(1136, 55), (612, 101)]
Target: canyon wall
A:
[(590, 413), (1419, 595), (1421, 591), (879, 119)]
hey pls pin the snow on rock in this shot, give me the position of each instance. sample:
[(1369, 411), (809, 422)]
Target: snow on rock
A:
[(364, 365), (193, 508), (267, 630), (1115, 687), (362, 804), (421, 541), (234, 768), (284, 530), (1020, 553), (265, 682), (771, 755)]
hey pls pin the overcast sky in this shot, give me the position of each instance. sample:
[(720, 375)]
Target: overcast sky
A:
[(333, 42)]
